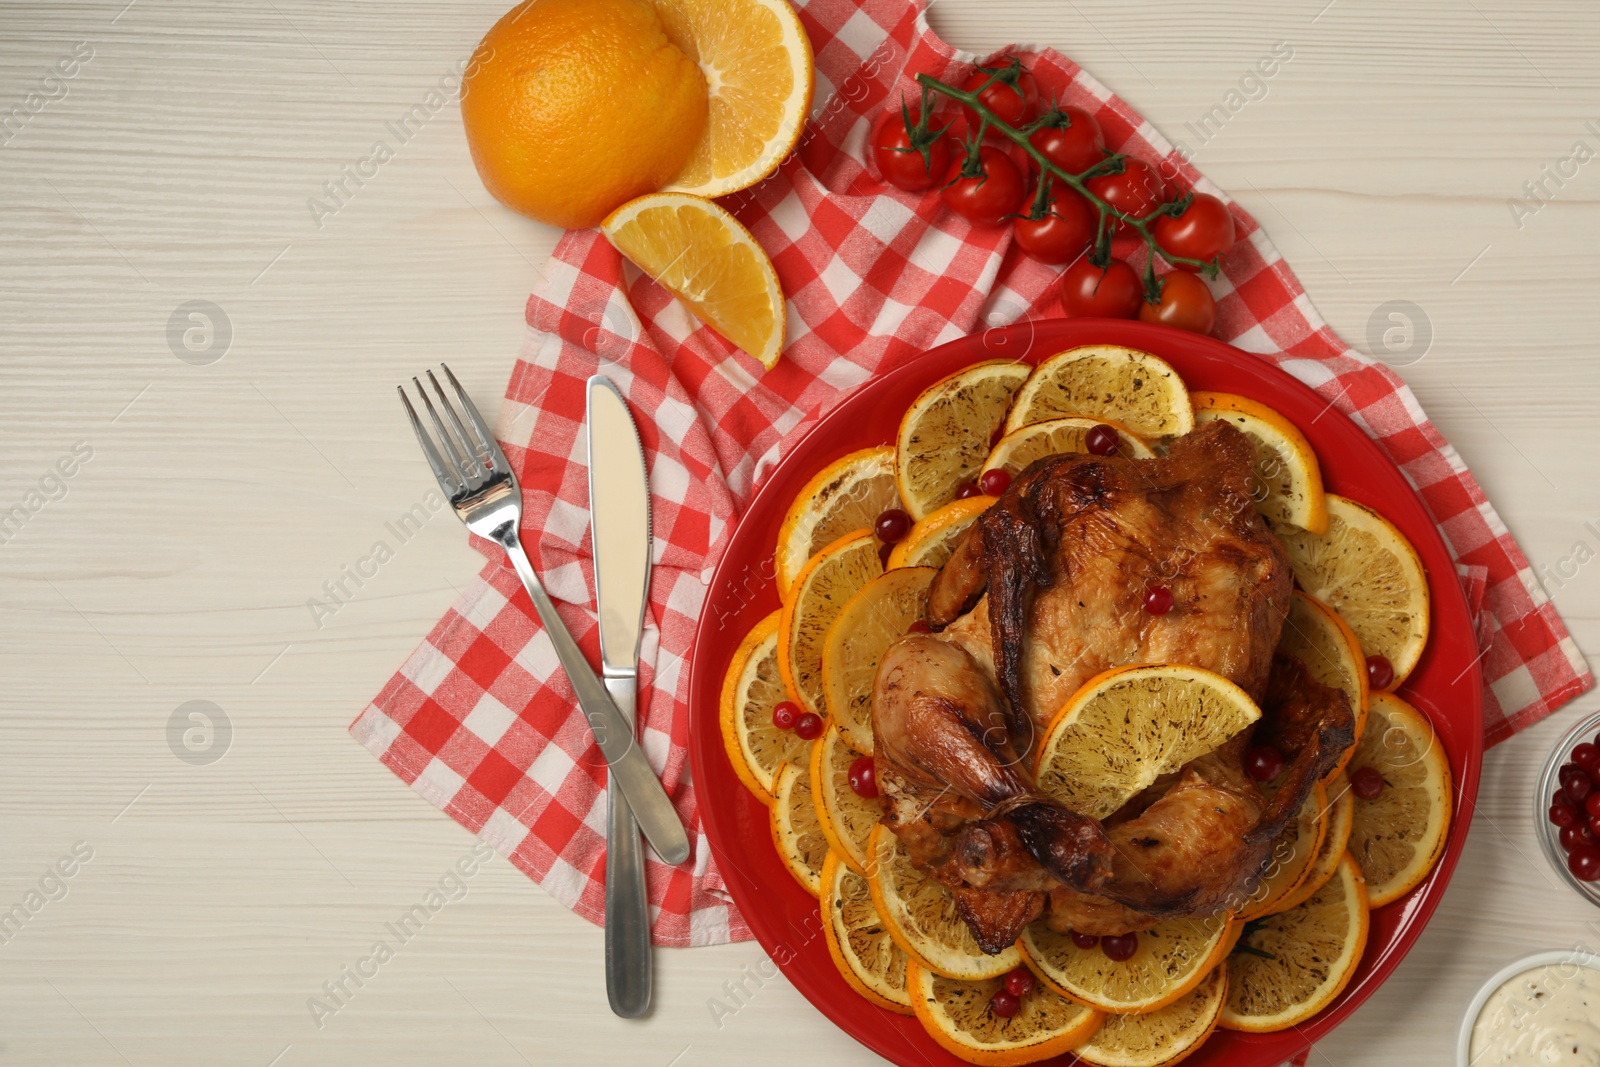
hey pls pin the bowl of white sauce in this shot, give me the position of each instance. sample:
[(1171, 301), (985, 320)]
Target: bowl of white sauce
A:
[(1542, 1010)]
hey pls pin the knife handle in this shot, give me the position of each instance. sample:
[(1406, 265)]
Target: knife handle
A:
[(628, 967), (624, 757)]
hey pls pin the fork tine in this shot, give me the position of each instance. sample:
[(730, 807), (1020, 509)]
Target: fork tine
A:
[(450, 485), (462, 436), (479, 427), (462, 468)]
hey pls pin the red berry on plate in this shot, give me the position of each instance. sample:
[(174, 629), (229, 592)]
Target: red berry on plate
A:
[(1380, 672), (994, 482), (1004, 1004), (1263, 763), (808, 727), (1019, 982), (784, 713), (1120, 947), (864, 777), (1101, 440), (1587, 756), (1366, 783), (1575, 835), (968, 490), (1563, 814), (892, 526), (1584, 863), (883, 555), (1158, 601), (1576, 783), (1085, 941), (919, 627)]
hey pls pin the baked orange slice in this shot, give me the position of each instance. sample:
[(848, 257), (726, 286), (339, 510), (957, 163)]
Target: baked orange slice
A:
[(1103, 382), (1286, 483), (752, 687), (1341, 809), (1171, 959), (831, 578), (1399, 834), (1294, 855), (945, 434), (1316, 635), (875, 617), (955, 1013), (1162, 1037), (932, 541), (796, 831), (845, 496), (1052, 437), (858, 938), (846, 817)]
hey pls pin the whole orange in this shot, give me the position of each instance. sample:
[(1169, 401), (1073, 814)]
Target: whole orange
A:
[(574, 107)]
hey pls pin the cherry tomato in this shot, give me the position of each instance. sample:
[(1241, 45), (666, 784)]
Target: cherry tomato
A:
[(1136, 192), (1101, 440), (1085, 941), (1563, 814), (1158, 601), (1004, 1003), (808, 727), (1263, 763), (1075, 147), (1186, 302), (985, 199), (1584, 863), (863, 777), (784, 713), (892, 525), (1204, 231), (1575, 782), (1119, 947), (994, 482), (1019, 982), (1586, 756), (1012, 102), (1111, 293), (900, 161), (1366, 783), (1062, 235), (1380, 672)]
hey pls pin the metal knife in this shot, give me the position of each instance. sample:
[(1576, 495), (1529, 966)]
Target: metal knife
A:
[(619, 503)]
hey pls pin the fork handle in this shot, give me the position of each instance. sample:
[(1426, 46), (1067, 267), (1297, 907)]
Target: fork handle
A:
[(628, 964), (625, 758)]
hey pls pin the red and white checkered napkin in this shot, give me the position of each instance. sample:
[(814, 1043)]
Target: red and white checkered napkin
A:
[(480, 720)]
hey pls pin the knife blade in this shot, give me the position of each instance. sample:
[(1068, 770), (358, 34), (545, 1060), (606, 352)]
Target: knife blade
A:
[(619, 503)]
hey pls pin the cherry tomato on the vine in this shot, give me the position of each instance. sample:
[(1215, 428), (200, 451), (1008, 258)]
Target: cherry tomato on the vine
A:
[(1062, 235), (900, 162), (1012, 102), (1186, 302), (984, 199), (1136, 192), (1111, 293), (1204, 231), (1074, 148)]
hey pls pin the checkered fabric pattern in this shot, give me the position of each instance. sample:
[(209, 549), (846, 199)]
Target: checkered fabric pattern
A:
[(480, 720)]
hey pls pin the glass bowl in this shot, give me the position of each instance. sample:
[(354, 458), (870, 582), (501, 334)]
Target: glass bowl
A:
[(1549, 785)]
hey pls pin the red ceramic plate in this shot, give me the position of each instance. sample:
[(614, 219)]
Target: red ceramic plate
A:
[(1445, 686)]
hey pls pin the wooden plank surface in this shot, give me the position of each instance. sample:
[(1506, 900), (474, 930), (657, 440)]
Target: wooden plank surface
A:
[(175, 165)]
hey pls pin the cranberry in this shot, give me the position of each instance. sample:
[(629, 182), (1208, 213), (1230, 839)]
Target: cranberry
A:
[(1366, 783), (1101, 440), (892, 526), (784, 714), (864, 777), (1576, 783), (968, 490), (1380, 672), (1019, 982), (808, 727), (1563, 814), (1587, 756), (994, 438), (884, 551), (1085, 941), (1584, 863), (1594, 826), (1158, 601), (1575, 835), (1263, 763), (1004, 1004), (919, 627), (1591, 807), (994, 482), (1120, 947)]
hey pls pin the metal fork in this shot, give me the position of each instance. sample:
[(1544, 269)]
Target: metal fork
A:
[(483, 490)]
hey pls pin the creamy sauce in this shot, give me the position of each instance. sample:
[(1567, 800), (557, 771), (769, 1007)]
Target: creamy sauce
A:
[(1544, 1017)]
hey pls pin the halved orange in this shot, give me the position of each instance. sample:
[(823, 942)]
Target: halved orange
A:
[(1286, 483)]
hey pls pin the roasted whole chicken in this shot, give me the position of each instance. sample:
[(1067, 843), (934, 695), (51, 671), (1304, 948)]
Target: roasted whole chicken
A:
[(1045, 591)]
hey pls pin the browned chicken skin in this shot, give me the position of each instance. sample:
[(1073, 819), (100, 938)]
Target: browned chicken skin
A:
[(1045, 591)]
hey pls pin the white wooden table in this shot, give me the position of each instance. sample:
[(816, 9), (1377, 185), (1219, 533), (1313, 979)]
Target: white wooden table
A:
[(174, 565)]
